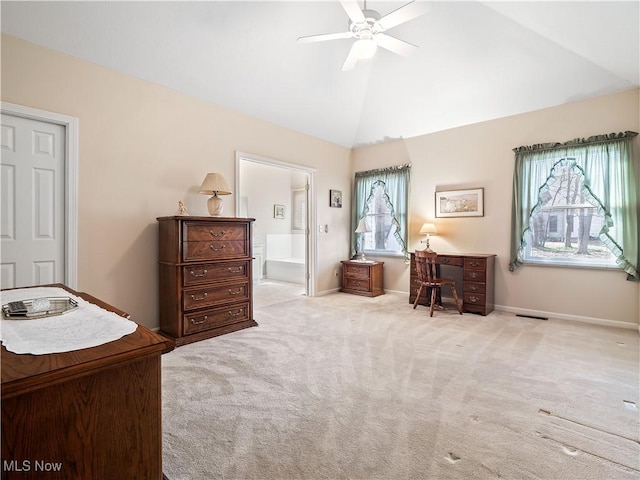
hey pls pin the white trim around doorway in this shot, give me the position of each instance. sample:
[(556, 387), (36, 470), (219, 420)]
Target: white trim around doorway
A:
[(71, 125), (311, 218)]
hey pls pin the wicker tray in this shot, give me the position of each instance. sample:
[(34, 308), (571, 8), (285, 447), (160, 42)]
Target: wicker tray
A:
[(57, 306)]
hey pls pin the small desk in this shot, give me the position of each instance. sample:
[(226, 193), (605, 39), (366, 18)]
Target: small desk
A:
[(477, 280), (93, 413)]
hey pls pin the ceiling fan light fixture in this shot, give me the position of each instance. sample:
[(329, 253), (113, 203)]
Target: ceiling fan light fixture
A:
[(365, 48)]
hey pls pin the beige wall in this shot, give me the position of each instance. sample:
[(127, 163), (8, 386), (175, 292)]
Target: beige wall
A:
[(480, 155), (143, 147)]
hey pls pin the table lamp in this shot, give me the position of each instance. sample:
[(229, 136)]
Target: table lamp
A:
[(214, 184), (428, 229), (361, 229)]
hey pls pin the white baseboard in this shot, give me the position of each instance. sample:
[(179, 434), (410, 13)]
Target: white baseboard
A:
[(327, 292), (563, 316)]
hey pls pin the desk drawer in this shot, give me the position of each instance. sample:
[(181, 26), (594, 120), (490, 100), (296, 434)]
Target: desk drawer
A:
[(455, 261), (214, 295), (214, 318), (475, 287), (475, 264), (471, 298), (210, 272), (474, 275)]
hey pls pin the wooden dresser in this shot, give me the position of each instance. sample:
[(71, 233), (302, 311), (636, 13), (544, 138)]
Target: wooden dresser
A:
[(93, 413), (362, 278), (206, 286), (477, 280)]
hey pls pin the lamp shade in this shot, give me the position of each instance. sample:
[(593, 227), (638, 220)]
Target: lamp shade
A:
[(214, 183), (362, 226), (428, 229)]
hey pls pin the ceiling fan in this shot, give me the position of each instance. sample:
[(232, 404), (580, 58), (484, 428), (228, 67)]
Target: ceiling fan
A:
[(368, 27)]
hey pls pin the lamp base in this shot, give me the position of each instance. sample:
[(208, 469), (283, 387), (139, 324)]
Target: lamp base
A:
[(428, 248), (214, 204)]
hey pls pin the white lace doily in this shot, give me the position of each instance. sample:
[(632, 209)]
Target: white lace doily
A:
[(87, 326)]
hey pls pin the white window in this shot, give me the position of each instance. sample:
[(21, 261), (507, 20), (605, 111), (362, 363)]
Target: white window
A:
[(382, 237)]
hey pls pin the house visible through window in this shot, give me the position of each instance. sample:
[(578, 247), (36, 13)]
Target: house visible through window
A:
[(379, 218), (575, 204), (567, 221)]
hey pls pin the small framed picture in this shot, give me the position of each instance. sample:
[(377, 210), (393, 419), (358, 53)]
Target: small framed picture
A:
[(278, 211), (460, 203), (335, 198)]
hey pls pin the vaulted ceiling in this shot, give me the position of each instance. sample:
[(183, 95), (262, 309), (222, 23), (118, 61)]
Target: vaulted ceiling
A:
[(476, 61)]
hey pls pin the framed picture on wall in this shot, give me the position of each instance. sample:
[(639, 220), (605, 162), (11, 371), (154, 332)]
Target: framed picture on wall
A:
[(460, 203), (278, 211), (335, 198)]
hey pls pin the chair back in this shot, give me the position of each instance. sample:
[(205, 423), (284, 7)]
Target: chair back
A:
[(426, 265)]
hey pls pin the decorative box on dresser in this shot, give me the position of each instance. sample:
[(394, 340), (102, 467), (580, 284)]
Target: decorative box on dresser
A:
[(206, 286), (477, 280), (362, 278)]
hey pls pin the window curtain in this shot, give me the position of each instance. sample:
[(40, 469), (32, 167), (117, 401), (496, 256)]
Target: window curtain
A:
[(396, 182), (610, 175)]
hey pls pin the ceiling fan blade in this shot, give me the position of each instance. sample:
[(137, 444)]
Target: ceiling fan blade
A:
[(404, 14), (395, 45), (351, 60), (353, 10), (324, 37)]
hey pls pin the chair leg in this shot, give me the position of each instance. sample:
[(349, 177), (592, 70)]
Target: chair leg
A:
[(433, 300), (415, 302), (455, 297)]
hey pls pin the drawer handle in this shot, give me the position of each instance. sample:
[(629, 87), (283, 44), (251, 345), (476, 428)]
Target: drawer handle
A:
[(474, 274), (217, 249), (444, 260), (202, 297), (236, 314), (202, 274), (473, 287), (475, 264), (231, 270), (473, 299), (237, 292), (199, 322), (217, 234)]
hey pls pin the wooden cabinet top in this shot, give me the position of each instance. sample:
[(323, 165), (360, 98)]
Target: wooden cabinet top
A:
[(24, 372), (210, 218)]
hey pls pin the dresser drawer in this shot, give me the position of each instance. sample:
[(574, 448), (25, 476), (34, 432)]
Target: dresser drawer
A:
[(214, 295), (475, 287), (353, 283), (211, 272), (471, 298), (214, 250), (205, 231), (215, 317), (475, 264)]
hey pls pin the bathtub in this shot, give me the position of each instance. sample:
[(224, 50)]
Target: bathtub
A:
[(285, 258)]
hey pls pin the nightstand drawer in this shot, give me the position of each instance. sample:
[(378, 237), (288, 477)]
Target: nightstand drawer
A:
[(214, 295), (353, 283), (205, 231), (212, 272), (361, 271), (214, 318), (214, 250)]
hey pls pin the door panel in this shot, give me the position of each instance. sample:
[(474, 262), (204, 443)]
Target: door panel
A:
[(32, 215)]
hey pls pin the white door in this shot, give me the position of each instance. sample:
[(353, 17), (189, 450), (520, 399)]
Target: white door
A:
[(32, 202)]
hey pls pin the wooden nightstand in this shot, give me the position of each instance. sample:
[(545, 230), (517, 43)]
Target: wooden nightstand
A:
[(362, 278)]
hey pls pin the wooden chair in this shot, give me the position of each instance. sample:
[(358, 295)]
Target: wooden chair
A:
[(428, 277)]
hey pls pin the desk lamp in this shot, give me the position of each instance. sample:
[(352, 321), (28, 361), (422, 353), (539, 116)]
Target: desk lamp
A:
[(428, 229), (361, 229), (214, 184)]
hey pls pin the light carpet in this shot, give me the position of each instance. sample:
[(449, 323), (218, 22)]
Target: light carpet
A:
[(348, 387)]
